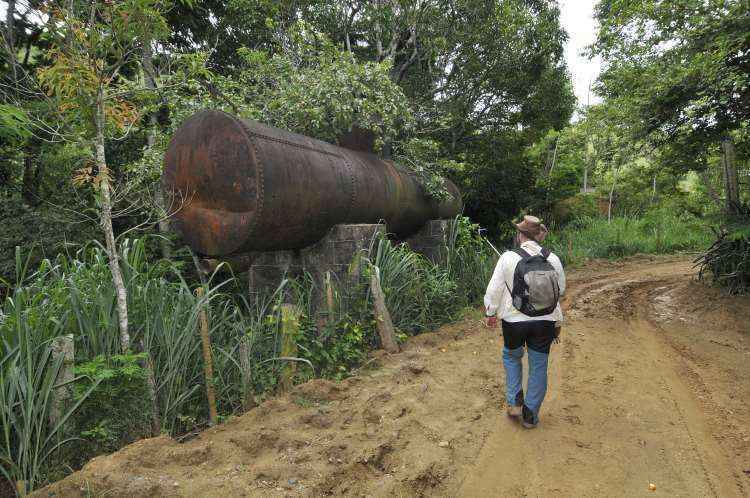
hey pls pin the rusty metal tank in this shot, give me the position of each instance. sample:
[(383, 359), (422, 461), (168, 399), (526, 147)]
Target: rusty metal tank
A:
[(240, 186)]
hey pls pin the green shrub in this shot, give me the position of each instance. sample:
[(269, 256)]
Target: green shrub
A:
[(47, 229), (116, 413), (337, 348), (727, 261), (578, 206)]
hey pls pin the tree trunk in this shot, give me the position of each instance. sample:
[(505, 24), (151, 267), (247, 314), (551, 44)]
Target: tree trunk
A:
[(586, 164), (731, 182), (585, 178), (208, 362), (149, 77), (63, 349), (149, 80), (106, 222), (248, 398), (152, 388), (378, 33), (712, 193), (10, 38), (551, 165), (27, 51), (166, 250), (611, 195), (383, 321), (290, 330)]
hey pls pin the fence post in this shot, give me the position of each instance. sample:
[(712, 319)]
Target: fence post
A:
[(151, 381), (63, 348), (289, 332), (208, 366), (147, 364), (383, 320), (248, 401), (329, 296)]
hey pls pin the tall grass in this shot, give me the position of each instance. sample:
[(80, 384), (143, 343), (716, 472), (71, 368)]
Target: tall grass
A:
[(469, 259), (421, 294), (28, 378), (74, 295), (257, 324), (657, 233)]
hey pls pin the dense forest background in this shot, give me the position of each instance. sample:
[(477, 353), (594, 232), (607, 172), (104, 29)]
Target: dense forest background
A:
[(474, 90), (477, 91)]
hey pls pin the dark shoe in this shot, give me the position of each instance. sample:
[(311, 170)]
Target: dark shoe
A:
[(529, 421), (515, 410)]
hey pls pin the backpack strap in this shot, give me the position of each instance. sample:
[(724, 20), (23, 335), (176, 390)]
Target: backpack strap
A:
[(524, 255), (545, 252)]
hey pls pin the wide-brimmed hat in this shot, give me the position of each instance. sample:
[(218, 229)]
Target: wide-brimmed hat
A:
[(532, 227)]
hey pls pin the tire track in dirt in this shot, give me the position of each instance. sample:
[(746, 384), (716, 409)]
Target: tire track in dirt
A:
[(707, 375)]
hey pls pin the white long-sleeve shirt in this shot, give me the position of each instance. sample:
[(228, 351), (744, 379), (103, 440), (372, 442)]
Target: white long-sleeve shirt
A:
[(497, 299)]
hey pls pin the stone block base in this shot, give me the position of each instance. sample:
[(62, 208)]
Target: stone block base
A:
[(334, 255), (431, 240)]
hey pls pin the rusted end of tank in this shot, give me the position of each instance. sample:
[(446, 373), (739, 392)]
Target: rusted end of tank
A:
[(212, 178), (452, 206)]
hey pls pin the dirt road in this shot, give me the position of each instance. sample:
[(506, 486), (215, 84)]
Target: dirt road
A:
[(650, 384)]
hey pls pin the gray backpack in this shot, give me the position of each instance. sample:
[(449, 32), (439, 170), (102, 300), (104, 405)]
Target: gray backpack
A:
[(536, 290)]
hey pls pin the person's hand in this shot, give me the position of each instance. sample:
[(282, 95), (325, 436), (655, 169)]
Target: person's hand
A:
[(491, 321), (558, 329)]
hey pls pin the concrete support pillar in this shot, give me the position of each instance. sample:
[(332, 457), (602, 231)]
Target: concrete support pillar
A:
[(63, 350), (431, 240), (328, 260), (334, 259), (336, 252), (269, 269)]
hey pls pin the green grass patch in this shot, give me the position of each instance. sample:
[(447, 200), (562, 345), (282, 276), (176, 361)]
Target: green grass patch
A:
[(659, 232)]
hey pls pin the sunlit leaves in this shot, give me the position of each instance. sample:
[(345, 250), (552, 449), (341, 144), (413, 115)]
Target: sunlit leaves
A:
[(121, 113), (69, 78), (682, 68), (322, 92)]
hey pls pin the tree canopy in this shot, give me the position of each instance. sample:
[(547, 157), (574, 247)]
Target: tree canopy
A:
[(680, 70), (449, 87)]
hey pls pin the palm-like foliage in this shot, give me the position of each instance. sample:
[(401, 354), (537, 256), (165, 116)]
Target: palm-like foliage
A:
[(28, 378), (74, 295)]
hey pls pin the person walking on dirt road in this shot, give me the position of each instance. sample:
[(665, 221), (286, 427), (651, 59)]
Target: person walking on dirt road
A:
[(524, 293)]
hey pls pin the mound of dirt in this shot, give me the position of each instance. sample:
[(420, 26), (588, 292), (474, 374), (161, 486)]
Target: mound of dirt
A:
[(400, 429)]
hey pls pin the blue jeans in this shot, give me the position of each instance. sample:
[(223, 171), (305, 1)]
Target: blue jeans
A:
[(537, 384)]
